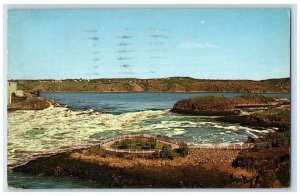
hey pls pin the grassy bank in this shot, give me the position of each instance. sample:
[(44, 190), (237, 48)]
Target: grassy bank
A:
[(139, 143)]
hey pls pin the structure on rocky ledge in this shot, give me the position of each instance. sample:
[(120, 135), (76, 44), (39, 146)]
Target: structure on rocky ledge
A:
[(13, 90)]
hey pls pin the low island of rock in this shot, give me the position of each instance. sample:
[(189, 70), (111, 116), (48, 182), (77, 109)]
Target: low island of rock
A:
[(29, 102), (220, 105)]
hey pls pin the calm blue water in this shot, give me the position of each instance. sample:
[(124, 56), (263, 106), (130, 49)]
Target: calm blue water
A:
[(117, 103), (96, 116)]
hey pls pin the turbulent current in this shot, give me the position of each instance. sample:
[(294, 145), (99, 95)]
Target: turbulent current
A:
[(88, 118), (35, 132)]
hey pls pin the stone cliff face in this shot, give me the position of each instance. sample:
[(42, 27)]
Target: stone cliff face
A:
[(137, 88), (39, 88)]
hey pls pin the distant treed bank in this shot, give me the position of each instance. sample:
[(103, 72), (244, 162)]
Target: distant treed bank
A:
[(173, 84)]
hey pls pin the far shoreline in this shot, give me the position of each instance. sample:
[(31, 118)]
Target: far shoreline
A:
[(183, 92), (172, 85)]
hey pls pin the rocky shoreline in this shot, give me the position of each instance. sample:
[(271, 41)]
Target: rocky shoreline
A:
[(29, 102), (202, 168), (277, 117), (270, 159)]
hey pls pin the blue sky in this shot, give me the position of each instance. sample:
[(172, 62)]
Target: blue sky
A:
[(147, 43)]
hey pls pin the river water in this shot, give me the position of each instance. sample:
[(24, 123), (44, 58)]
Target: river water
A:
[(88, 118)]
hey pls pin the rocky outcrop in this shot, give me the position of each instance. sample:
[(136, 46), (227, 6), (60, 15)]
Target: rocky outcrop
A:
[(204, 106), (271, 167), (39, 89), (202, 168), (219, 105), (109, 169), (30, 103), (136, 88), (277, 117), (243, 178)]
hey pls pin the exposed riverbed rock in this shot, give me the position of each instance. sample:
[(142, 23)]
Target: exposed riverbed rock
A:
[(271, 165), (219, 105), (202, 168), (277, 117), (209, 105), (28, 102), (243, 178), (109, 169)]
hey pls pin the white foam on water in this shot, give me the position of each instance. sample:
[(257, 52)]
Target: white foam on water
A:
[(176, 131), (251, 131), (265, 131), (252, 134), (232, 127), (34, 132)]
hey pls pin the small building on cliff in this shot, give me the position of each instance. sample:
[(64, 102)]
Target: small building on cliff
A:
[(12, 90)]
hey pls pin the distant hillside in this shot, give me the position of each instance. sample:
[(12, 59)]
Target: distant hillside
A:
[(174, 84)]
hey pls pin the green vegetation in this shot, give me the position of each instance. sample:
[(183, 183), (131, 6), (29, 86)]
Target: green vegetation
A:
[(138, 143), (166, 152), (172, 84), (211, 101), (278, 139), (252, 99), (271, 157), (156, 154), (162, 151), (277, 117), (183, 149)]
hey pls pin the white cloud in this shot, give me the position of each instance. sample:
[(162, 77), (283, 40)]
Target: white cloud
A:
[(202, 21), (189, 44)]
